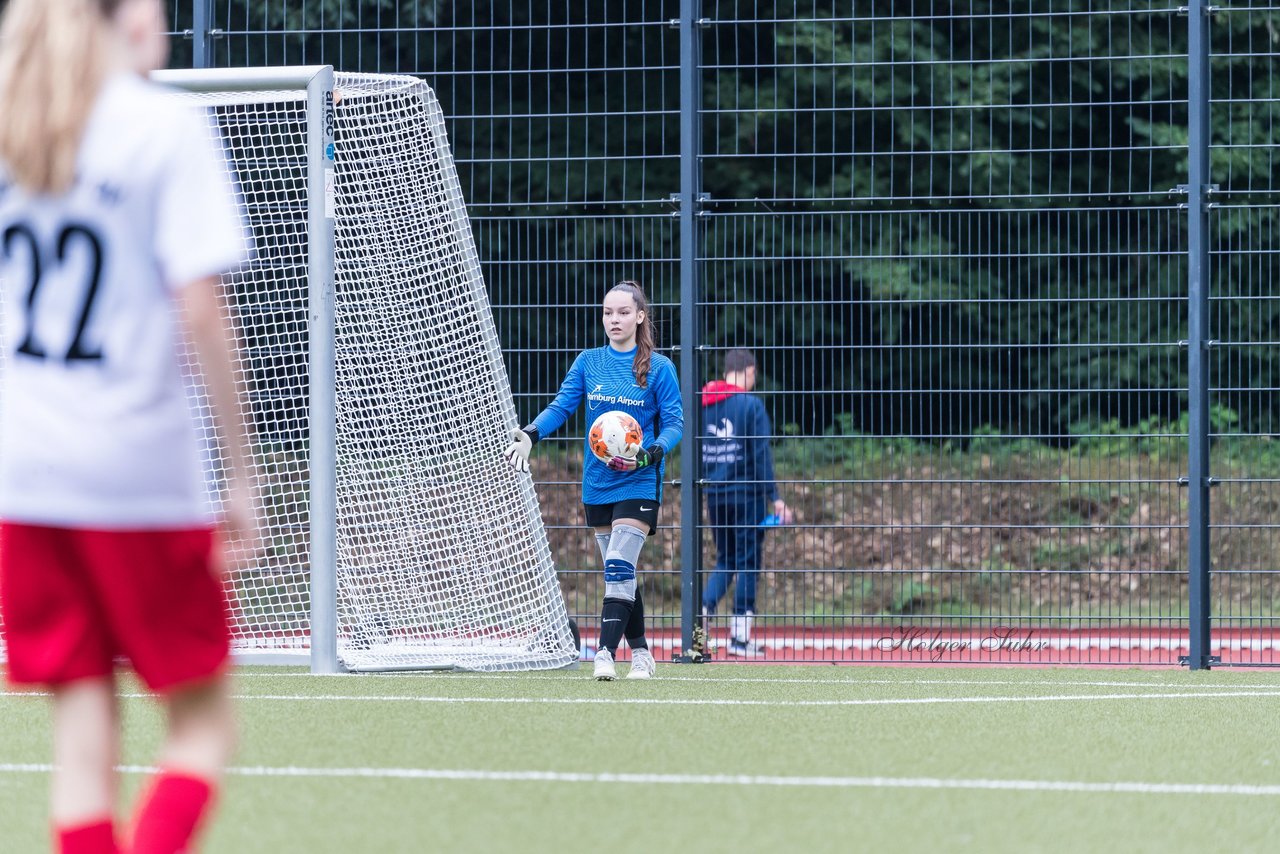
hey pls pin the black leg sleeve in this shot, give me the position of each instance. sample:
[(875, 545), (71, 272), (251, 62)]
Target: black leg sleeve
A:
[(635, 626), (614, 617)]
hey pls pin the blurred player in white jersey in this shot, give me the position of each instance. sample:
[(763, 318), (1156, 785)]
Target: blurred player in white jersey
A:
[(117, 217)]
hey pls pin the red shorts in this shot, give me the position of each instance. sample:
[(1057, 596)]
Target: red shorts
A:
[(74, 600)]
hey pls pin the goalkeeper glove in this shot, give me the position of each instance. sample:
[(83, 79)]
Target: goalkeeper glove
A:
[(517, 453), (650, 457)]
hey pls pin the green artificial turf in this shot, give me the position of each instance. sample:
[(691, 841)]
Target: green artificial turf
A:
[(723, 758)]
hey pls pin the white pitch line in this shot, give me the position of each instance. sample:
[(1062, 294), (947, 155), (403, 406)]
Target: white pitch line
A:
[(1060, 683), (662, 701), (853, 683), (659, 701), (468, 775)]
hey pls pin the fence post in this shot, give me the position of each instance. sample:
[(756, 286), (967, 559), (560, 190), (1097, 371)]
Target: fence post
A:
[(1198, 341), (690, 324), (201, 33)]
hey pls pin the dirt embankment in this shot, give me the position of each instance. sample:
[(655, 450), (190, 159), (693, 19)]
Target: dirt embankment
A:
[(968, 535)]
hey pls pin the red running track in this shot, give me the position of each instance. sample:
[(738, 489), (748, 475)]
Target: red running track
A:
[(1117, 645)]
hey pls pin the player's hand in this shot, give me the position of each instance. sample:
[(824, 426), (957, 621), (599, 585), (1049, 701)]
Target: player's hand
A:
[(783, 512), (650, 457), (517, 453), (241, 535)]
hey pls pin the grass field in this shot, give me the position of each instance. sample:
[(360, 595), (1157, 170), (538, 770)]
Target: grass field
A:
[(722, 758)]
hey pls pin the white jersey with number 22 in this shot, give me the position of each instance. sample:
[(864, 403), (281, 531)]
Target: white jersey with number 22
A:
[(97, 428)]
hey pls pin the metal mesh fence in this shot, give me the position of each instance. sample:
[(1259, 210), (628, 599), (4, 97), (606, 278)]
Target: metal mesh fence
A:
[(564, 127), (1243, 322), (962, 248), (956, 242)]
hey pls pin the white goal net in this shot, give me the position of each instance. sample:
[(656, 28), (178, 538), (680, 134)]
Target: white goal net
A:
[(391, 471)]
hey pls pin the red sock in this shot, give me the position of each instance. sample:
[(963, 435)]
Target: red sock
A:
[(169, 816), (95, 837)]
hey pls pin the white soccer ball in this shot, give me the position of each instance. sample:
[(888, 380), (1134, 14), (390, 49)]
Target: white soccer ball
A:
[(615, 434)]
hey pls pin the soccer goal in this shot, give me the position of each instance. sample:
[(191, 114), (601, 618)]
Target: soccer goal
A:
[(396, 535)]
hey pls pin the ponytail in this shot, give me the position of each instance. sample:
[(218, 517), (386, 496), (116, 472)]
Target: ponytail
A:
[(646, 337), (54, 57)]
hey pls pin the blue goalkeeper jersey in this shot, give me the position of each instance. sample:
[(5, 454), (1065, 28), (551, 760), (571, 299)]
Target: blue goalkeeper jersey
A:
[(603, 378)]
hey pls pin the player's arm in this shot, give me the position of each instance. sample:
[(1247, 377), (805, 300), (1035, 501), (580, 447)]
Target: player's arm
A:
[(201, 233), (763, 432), (566, 402), (213, 338)]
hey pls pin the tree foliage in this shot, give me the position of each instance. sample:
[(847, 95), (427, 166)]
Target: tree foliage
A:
[(939, 223)]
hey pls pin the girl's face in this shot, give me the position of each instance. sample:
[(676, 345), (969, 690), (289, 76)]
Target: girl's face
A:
[(141, 26), (621, 318)]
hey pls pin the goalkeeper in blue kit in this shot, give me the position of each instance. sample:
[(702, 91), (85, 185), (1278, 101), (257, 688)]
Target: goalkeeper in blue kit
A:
[(620, 497)]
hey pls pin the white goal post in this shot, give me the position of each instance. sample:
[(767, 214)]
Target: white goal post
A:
[(396, 536)]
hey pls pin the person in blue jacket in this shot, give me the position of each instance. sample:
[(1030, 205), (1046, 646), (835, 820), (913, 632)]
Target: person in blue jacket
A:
[(737, 477), (621, 497)]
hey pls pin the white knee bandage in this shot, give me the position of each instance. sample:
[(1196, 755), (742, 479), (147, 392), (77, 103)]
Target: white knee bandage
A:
[(620, 561)]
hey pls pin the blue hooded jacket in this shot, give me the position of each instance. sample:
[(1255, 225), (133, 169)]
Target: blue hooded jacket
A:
[(737, 463)]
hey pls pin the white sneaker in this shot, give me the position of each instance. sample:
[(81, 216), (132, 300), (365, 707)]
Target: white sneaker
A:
[(744, 649), (605, 670), (642, 664)]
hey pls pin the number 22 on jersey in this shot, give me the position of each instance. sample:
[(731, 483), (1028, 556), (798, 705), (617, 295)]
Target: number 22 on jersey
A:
[(70, 238)]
